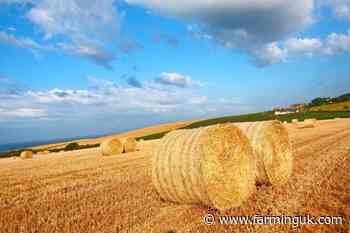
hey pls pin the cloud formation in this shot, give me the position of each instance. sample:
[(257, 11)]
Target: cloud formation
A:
[(269, 54), (104, 97), (176, 79), (81, 21), (338, 43), (306, 46), (90, 28), (341, 8), (23, 113), (21, 42), (96, 54), (252, 26)]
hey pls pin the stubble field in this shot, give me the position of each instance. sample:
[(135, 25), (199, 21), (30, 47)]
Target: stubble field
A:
[(83, 191)]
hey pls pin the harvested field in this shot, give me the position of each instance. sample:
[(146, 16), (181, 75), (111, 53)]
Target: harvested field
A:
[(82, 191)]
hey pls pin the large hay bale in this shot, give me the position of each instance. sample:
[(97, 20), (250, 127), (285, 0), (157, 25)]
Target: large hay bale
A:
[(129, 144), (27, 154), (270, 142), (111, 147), (214, 166)]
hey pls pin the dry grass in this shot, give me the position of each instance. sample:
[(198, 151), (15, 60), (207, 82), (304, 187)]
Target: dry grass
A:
[(214, 166), (82, 191)]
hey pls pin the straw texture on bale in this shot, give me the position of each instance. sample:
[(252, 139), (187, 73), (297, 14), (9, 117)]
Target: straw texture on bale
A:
[(111, 147), (129, 144), (214, 166), (270, 143), (27, 154)]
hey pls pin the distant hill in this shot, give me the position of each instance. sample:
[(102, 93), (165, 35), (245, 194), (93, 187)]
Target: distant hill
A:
[(261, 116), (339, 103), (338, 106)]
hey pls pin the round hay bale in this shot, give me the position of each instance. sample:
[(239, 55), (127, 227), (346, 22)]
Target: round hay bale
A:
[(129, 144), (308, 123), (214, 166), (111, 147), (27, 154), (285, 122), (295, 121), (270, 142), (311, 120)]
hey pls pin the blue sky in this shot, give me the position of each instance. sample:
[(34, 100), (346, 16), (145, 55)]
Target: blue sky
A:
[(83, 67)]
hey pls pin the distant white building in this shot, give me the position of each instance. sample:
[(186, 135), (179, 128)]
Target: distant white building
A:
[(295, 108), (285, 112)]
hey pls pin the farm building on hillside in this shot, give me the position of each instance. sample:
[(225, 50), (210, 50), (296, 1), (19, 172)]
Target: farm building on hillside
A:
[(294, 108)]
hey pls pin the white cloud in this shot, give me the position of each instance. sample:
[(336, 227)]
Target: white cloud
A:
[(248, 26), (68, 96), (104, 97), (23, 113), (90, 28), (341, 8), (97, 54), (80, 20), (176, 79), (307, 46), (269, 54), (21, 42), (338, 43)]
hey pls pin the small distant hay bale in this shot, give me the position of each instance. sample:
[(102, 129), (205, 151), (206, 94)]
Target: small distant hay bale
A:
[(129, 144), (311, 120), (295, 121), (27, 154), (308, 123), (214, 166), (285, 122), (111, 147), (271, 144)]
